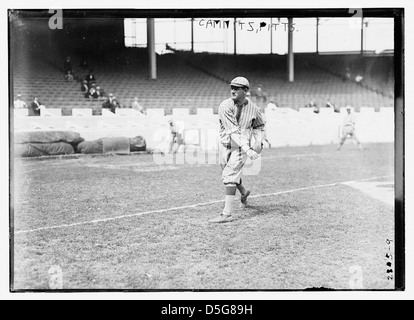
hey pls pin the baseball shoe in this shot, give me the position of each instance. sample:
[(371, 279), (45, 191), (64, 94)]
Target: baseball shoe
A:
[(222, 218), (243, 198)]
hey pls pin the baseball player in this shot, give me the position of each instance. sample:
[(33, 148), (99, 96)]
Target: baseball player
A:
[(173, 146), (348, 129), (240, 120)]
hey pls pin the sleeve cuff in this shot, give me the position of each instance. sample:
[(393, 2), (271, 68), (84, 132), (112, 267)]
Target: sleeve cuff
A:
[(245, 147)]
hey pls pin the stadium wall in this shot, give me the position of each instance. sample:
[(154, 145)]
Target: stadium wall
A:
[(285, 126)]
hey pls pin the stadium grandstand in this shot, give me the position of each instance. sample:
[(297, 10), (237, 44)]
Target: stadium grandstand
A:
[(185, 78)]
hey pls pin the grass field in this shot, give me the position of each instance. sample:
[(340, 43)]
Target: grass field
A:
[(123, 222)]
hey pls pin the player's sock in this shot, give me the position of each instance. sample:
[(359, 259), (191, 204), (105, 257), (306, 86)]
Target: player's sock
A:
[(230, 195), (241, 188)]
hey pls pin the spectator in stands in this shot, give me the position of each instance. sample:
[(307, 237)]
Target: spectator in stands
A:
[(98, 93), (69, 76), (271, 105), (111, 96), (335, 108), (91, 92), (67, 65), (106, 104), (90, 78), (84, 86), (260, 95), (34, 109), (84, 64), (137, 106), (347, 75), (115, 104), (19, 103), (359, 78), (313, 105)]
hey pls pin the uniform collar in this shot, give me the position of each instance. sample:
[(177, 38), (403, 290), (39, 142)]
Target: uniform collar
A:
[(242, 105)]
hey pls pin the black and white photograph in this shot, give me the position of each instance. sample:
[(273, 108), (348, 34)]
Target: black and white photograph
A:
[(206, 149)]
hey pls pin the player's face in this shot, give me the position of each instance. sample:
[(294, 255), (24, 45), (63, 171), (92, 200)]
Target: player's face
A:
[(237, 93)]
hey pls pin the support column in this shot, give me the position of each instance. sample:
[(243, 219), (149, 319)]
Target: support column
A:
[(362, 35), (151, 49), (192, 35), (290, 53), (235, 38), (271, 35), (317, 35)]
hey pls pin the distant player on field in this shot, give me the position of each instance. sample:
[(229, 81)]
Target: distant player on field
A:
[(240, 119), (173, 147), (348, 129)]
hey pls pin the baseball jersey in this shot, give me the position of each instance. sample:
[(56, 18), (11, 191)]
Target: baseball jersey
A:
[(250, 120), (349, 120)]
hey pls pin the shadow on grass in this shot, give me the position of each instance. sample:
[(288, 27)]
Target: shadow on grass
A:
[(280, 209)]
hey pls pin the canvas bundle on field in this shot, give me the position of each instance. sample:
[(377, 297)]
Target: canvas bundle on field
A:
[(45, 143), (116, 145)]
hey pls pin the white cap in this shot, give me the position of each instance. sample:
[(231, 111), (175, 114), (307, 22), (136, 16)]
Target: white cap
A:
[(348, 107), (240, 82)]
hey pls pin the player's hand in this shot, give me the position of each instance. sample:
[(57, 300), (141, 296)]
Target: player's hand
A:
[(252, 154), (258, 147)]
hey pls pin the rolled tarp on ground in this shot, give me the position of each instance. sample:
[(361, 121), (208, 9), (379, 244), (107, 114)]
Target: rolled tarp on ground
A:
[(70, 137), (137, 143), (42, 149), (117, 145)]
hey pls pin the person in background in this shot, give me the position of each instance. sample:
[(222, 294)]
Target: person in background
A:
[(347, 75), (173, 147), (69, 76), (333, 106), (19, 103), (91, 92), (84, 64), (359, 78), (312, 105), (84, 86), (348, 129), (271, 105), (67, 66), (260, 95), (137, 106), (98, 93), (34, 109), (115, 104), (107, 104), (90, 78)]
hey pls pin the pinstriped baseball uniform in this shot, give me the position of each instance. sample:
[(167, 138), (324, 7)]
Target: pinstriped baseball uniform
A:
[(250, 122)]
